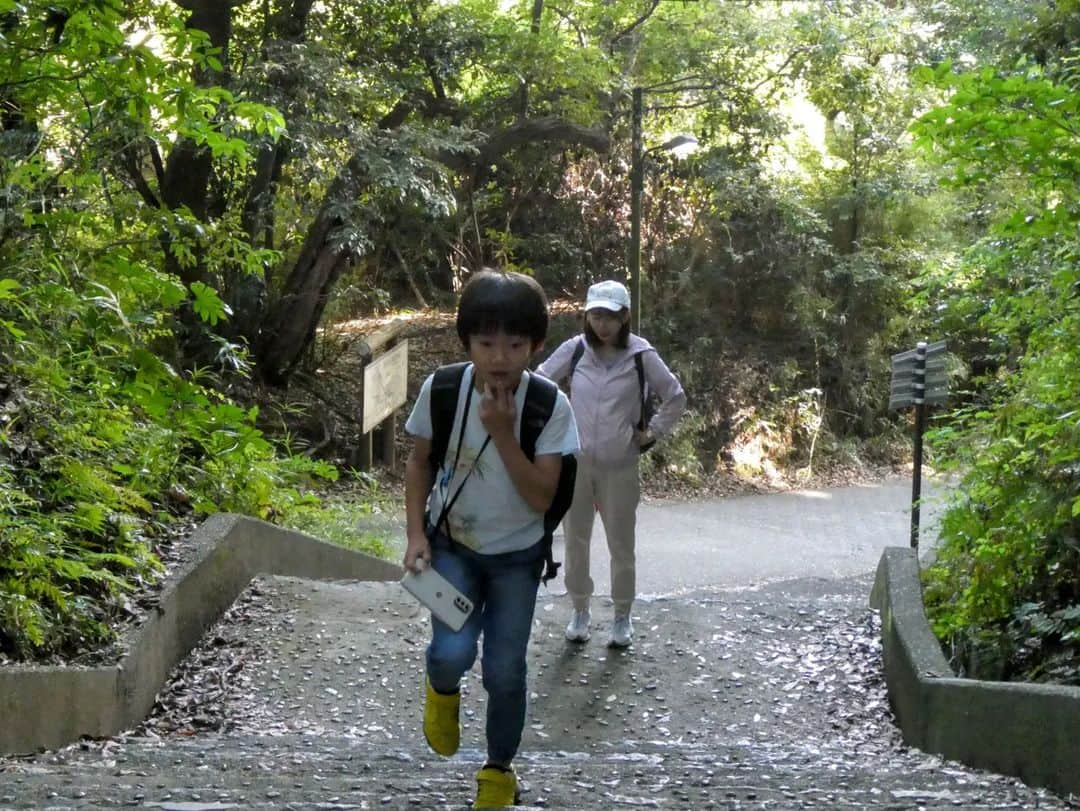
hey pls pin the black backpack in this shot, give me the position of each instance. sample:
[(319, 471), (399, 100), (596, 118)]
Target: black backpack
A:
[(540, 397), (648, 399)]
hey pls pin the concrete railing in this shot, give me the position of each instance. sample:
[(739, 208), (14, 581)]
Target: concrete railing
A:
[(47, 707), (1030, 731)]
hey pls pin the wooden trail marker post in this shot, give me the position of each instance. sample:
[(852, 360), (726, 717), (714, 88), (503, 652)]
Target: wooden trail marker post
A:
[(918, 379), (385, 391)]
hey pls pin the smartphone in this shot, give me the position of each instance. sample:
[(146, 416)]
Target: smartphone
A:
[(439, 595)]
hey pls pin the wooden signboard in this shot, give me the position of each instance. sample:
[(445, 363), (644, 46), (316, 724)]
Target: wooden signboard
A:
[(385, 380)]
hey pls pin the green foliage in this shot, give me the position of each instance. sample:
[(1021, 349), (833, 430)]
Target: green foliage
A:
[(104, 441), (8, 288), (1009, 567), (347, 516), (207, 305), (101, 442), (677, 458)]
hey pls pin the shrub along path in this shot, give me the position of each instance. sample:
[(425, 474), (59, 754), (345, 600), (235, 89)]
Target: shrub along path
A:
[(738, 695)]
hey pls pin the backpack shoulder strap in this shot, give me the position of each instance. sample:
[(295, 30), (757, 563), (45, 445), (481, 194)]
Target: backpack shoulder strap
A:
[(579, 350), (639, 364), (646, 406), (540, 399), (445, 386)]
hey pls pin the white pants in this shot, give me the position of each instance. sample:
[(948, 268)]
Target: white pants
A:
[(614, 493)]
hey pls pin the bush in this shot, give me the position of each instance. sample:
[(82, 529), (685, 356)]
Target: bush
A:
[(103, 445)]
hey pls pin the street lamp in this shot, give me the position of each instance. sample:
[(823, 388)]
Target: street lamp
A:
[(637, 177)]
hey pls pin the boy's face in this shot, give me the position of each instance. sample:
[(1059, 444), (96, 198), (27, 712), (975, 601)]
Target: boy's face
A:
[(500, 358)]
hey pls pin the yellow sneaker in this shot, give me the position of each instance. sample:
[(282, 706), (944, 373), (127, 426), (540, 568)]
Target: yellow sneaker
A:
[(495, 788), (441, 727)]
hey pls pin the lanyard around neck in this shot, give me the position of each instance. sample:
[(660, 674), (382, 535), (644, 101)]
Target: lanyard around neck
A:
[(457, 455)]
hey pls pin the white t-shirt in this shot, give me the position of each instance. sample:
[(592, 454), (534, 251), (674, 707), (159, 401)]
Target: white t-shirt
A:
[(489, 516)]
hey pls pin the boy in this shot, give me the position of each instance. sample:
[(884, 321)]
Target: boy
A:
[(479, 518)]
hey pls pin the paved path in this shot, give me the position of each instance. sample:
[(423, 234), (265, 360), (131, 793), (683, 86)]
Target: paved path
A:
[(756, 692), (749, 540)]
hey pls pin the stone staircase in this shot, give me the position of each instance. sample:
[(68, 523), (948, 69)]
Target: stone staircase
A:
[(308, 695)]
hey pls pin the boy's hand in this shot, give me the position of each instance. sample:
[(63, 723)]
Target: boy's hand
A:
[(417, 553), (497, 411)]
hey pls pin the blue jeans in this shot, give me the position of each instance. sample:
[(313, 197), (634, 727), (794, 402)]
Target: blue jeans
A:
[(503, 591)]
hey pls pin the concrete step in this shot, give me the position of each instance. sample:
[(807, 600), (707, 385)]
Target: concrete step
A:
[(309, 695), (205, 772)]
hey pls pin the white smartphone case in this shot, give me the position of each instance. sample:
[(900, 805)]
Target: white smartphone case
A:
[(439, 595)]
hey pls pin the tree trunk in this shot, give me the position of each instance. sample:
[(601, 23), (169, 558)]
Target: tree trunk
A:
[(290, 328), (523, 88), (186, 178), (409, 278), (187, 172), (246, 293)]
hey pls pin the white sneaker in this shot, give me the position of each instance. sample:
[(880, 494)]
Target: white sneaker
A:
[(622, 632), (577, 630)]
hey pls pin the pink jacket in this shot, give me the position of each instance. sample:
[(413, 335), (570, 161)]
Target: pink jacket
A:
[(607, 400)]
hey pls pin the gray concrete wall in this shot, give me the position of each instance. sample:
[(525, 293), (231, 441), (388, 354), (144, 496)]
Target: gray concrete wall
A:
[(1030, 731), (48, 707)]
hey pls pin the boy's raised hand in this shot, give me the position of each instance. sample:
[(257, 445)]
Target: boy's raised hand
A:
[(497, 411)]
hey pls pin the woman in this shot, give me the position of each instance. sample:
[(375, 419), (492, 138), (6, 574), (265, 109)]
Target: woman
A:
[(609, 372)]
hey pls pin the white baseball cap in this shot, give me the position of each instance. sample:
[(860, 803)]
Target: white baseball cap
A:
[(609, 295)]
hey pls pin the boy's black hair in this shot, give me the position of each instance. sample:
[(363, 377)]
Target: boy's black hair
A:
[(511, 302), (622, 340)]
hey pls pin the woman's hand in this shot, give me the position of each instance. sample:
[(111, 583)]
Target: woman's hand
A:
[(417, 553), (643, 439)]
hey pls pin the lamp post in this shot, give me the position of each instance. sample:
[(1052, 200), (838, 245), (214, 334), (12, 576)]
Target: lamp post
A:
[(637, 171), (637, 183)]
